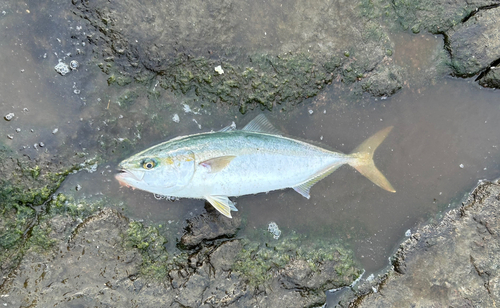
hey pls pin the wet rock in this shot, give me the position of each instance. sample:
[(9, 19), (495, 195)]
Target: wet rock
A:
[(184, 42), (92, 264), (491, 79), (436, 16), (224, 257), (384, 81), (209, 226), (452, 264), (475, 45), (25, 188)]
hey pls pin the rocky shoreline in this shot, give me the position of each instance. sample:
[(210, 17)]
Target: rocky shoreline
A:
[(58, 252)]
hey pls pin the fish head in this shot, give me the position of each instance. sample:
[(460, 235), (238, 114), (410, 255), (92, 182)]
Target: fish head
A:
[(159, 172)]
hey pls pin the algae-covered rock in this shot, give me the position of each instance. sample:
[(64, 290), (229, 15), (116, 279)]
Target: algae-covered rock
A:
[(283, 59), (25, 188), (107, 260), (93, 261), (384, 81)]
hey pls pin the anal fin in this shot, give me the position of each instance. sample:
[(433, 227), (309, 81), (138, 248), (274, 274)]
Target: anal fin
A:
[(222, 204), (304, 188)]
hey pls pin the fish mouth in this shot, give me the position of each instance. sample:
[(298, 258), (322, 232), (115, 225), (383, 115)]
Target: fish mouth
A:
[(125, 176), (121, 177)]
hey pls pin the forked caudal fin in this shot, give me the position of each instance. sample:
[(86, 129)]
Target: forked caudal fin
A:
[(363, 159)]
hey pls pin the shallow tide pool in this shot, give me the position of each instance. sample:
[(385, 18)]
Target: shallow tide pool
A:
[(445, 139)]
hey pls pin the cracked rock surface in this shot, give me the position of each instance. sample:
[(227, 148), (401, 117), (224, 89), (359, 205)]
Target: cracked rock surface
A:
[(475, 44), (94, 267), (452, 264)]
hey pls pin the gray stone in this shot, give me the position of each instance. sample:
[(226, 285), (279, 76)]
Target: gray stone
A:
[(209, 226), (452, 264), (491, 79), (475, 44)]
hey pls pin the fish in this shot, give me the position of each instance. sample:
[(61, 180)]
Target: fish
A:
[(230, 163)]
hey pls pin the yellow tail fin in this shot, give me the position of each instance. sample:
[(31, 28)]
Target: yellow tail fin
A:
[(363, 159)]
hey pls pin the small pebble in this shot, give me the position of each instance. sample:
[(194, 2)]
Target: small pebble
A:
[(9, 116), (462, 166), (10, 136), (25, 109), (55, 130), (18, 130), (78, 187), (311, 111), (41, 144)]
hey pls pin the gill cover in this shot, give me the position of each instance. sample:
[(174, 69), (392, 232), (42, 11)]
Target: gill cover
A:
[(178, 169)]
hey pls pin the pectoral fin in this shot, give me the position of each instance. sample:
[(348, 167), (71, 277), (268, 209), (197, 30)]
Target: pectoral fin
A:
[(222, 204), (218, 163)]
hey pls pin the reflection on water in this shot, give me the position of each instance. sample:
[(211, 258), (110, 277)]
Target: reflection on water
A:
[(445, 139)]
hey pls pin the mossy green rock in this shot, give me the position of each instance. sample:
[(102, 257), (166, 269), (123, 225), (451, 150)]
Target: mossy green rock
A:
[(24, 186)]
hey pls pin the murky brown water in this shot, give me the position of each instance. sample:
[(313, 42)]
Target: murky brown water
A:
[(445, 139)]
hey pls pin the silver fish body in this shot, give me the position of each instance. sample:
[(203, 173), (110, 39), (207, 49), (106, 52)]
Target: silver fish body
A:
[(217, 165)]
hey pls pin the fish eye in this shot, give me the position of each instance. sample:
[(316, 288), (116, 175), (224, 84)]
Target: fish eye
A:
[(148, 164)]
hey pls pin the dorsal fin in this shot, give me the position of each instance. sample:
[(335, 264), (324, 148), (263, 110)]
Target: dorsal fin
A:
[(262, 125), (228, 128)]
